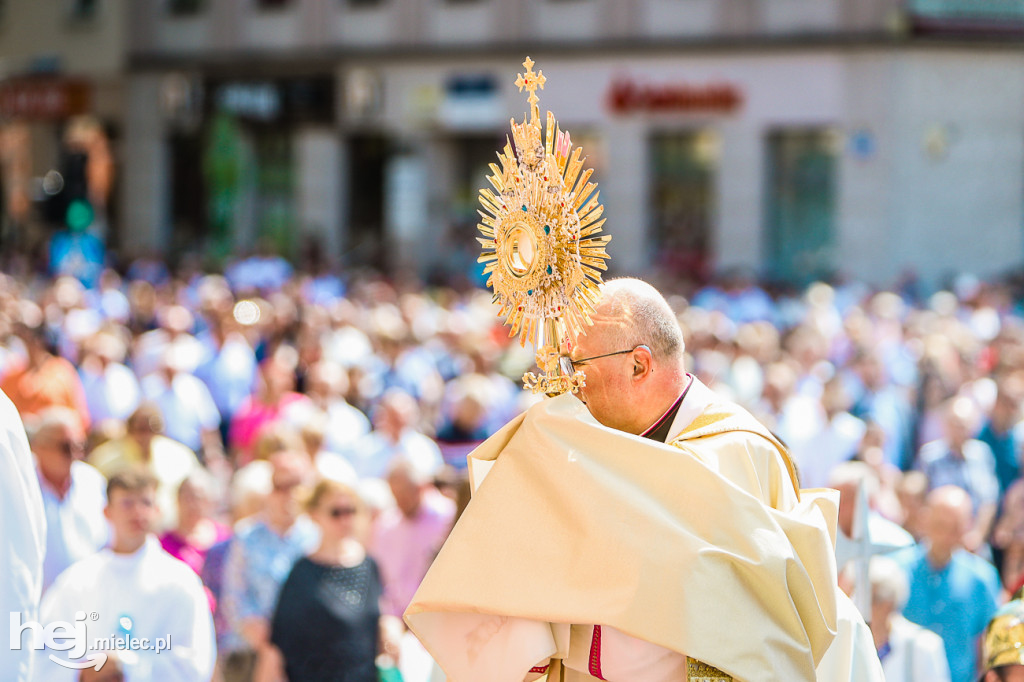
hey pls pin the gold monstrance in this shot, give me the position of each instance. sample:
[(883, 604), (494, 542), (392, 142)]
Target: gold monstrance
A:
[(540, 240)]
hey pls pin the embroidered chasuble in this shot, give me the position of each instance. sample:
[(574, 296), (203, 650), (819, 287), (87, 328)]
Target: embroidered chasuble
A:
[(699, 548)]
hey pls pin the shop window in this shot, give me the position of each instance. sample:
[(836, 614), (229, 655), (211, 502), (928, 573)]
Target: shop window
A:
[(365, 3), (800, 203), (682, 202), (275, 179), (473, 156), (181, 8), (272, 4), (367, 159), (190, 207)]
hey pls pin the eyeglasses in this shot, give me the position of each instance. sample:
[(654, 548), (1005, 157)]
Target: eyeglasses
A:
[(339, 512), (568, 366)]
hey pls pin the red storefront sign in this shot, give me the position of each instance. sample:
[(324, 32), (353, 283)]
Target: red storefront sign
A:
[(44, 98), (627, 96)]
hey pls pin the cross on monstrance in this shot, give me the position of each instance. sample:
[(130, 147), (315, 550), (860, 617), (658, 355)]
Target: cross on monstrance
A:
[(531, 81), (859, 549)]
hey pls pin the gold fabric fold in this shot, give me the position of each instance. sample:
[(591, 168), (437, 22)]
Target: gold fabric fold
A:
[(576, 523)]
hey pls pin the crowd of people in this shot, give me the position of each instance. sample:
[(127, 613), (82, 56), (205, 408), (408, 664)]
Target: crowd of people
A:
[(298, 440)]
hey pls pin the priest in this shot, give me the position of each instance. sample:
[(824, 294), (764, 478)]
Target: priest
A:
[(592, 551)]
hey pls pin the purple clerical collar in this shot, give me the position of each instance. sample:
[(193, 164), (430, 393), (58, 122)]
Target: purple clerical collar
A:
[(660, 429)]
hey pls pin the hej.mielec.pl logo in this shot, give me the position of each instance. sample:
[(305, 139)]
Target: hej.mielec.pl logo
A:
[(72, 639)]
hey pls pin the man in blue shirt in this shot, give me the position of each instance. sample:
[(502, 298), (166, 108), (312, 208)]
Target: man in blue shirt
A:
[(259, 559), (952, 592)]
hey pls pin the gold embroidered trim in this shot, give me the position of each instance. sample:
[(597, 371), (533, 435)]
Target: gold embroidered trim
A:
[(702, 672), (709, 417)]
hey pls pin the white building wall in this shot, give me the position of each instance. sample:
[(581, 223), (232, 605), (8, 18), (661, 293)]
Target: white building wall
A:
[(185, 34), (867, 188), (364, 26), (800, 16), (671, 18), (463, 23), (31, 29), (960, 209), (277, 29)]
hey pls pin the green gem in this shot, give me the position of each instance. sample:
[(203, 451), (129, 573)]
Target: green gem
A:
[(524, 208), (549, 269), (530, 292), (547, 229)]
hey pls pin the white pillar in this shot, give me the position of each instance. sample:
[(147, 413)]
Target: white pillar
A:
[(318, 199), (145, 182)]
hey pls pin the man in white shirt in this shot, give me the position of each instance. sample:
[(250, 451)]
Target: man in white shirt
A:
[(190, 415), (834, 443), (74, 493), (909, 652), (22, 536), (132, 603), (394, 434), (326, 385), (111, 388)]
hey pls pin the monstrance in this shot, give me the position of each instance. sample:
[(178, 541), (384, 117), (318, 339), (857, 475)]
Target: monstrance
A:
[(541, 238)]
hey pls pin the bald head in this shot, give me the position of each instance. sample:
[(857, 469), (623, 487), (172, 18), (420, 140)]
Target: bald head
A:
[(632, 357), (948, 517), (632, 312), (951, 498)]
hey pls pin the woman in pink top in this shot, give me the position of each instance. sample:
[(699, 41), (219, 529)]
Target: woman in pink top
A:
[(275, 399), (196, 531)]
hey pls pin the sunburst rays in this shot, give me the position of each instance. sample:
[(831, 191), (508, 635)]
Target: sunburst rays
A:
[(541, 224)]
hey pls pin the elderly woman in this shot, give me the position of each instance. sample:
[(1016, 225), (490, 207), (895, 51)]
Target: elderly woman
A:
[(327, 624), (196, 530)]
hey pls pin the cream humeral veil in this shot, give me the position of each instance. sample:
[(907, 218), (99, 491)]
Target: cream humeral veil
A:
[(577, 523)]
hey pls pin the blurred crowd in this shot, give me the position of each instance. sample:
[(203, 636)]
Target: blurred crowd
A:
[(302, 440)]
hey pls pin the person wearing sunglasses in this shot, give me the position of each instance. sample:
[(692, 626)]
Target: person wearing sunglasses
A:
[(73, 492), (327, 624)]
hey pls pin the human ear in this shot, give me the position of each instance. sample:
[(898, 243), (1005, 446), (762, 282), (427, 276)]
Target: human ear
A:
[(642, 362)]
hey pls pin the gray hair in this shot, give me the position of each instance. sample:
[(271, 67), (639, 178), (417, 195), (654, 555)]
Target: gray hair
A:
[(888, 583), (647, 319), (201, 481), (418, 468), (49, 420)]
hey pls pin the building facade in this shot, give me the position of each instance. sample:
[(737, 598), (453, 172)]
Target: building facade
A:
[(61, 70), (790, 138)]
